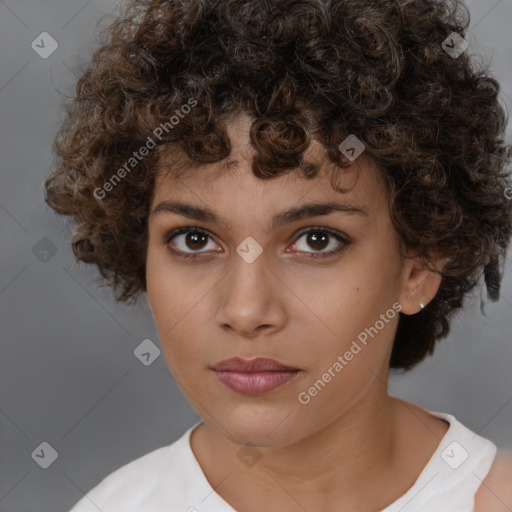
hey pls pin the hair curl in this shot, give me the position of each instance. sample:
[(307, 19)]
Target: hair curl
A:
[(302, 70)]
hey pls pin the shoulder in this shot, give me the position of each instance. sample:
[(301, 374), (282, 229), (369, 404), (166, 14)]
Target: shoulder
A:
[(136, 483), (495, 492)]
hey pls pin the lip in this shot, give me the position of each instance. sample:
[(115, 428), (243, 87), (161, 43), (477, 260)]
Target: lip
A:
[(257, 364), (254, 376)]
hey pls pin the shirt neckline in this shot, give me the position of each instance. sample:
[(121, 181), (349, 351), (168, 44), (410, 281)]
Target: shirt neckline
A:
[(429, 471), (426, 474)]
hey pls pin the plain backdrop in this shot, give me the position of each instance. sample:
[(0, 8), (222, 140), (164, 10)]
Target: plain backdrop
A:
[(68, 373)]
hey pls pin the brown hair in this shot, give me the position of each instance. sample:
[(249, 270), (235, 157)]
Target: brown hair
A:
[(302, 70)]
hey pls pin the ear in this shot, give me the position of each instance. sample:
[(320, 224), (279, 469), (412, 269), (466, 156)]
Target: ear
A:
[(419, 283)]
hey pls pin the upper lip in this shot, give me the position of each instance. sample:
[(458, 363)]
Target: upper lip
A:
[(258, 364)]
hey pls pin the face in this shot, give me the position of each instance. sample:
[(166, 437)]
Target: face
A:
[(318, 284)]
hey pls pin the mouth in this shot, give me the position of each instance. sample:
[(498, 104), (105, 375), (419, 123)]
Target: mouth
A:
[(254, 376)]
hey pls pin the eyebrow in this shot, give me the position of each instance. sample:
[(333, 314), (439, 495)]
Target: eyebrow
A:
[(279, 219)]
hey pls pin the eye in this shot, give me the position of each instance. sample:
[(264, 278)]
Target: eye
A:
[(319, 238), (194, 238)]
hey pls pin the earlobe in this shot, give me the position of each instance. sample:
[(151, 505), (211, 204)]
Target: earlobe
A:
[(419, 286)]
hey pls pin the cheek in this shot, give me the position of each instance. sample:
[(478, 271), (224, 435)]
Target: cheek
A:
[(169, 290), (344, 311), (177, 300), (351, 345), (349, 297)]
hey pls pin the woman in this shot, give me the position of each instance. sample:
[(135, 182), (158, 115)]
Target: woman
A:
[(305, 192)]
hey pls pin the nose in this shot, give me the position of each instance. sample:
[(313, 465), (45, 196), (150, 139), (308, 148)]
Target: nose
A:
[(251, 299)]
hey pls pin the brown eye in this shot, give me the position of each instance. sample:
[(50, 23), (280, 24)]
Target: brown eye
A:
[(189, 241), (319, 239), (195, 240)]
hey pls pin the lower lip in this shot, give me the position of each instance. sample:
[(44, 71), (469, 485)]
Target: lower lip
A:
[(255, 383)]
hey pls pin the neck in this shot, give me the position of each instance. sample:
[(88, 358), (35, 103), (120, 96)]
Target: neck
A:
[(346, 449), (342, 463)]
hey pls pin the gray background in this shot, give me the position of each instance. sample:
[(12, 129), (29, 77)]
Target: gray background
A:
[(68, 373)]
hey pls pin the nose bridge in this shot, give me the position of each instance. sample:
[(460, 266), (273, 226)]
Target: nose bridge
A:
[(248, 281), (249, 294)]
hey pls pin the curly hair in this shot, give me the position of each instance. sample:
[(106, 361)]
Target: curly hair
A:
[(301, 70)]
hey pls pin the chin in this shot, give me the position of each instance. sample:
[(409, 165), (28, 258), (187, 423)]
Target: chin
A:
[(258, 427)]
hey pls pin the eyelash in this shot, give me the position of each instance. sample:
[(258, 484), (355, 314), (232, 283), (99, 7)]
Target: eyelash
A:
[(335, 234)]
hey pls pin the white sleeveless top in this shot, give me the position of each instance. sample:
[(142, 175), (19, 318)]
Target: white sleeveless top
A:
[(170, 479)]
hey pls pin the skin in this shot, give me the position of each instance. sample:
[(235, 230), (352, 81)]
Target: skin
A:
[(352, 446), (495, 493)]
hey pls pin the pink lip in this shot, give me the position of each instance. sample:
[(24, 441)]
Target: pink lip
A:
[(257, 364), (253, 376)]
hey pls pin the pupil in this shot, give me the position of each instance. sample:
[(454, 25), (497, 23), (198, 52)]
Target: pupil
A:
[(316, 239), (194, 237)]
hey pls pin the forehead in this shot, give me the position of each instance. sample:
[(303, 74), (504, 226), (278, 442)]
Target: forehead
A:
[(231, 185)]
